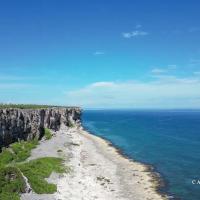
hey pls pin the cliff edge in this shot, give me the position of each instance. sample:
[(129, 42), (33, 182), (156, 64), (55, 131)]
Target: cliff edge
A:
[(25, 124)]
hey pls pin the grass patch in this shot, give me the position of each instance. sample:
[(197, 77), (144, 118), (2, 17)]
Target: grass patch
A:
[(11, 180), (47, 134), (37, 170), (6, 157), (70, 124), (22, 150), (11, 183), (12, 166), (17, 152), (9, 196)]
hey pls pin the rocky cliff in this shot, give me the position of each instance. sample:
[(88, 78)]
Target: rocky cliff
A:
[(23, 124)]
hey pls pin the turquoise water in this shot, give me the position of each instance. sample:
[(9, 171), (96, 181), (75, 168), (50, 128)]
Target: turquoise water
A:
[(168, 140)]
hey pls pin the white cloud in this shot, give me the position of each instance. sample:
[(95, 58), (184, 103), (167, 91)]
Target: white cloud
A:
[(158, 71), (134, 34), (96, 53), (164, 92), (102, 84), (169, 68), (197, 73), (127, 35)]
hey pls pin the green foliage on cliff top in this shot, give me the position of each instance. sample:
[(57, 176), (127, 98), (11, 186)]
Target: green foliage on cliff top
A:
[(37, 170), (25, 106), (32, 106)]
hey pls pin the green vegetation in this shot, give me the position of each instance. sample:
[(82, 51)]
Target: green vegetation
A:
[(37, 170), (47, 134), (6, 157), (70, 124), (11, 180), (13, 164), (11, 183), (26, 106), (22, 150), (31, 106), (17, 152), (9, 196)]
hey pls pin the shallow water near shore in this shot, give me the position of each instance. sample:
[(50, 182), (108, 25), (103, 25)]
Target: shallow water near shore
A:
[(167, 139)]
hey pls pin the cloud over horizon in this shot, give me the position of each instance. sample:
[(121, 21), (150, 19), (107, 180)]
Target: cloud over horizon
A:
[(164, 92), (168, 69)]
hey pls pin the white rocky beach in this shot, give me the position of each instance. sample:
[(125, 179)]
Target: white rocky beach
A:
[(95, 170)]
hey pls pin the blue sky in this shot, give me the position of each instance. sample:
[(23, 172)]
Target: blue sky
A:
[(101, 54)]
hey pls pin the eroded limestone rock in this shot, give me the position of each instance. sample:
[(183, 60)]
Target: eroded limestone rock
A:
[(25, 124)]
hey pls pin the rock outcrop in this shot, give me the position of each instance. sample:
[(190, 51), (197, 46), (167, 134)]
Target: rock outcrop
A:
[(24, 124)]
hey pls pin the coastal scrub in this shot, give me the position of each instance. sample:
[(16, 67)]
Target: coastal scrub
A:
[(22, 150), (11, 183), (17, 152), (13, 168), (37, 170), (47, 134)]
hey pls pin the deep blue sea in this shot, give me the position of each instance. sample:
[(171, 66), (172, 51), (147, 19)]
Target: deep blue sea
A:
[(169, 140)]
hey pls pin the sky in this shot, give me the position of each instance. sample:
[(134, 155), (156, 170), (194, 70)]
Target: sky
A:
[(101, 53)]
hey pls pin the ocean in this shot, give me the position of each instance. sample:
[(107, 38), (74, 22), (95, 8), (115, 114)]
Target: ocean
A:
[(169, 140)]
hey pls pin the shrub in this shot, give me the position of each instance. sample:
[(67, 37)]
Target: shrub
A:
[(11, 183), (47, 134), (37, 170)]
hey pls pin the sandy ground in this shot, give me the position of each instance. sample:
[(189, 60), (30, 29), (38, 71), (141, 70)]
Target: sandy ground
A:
[(98, 171)]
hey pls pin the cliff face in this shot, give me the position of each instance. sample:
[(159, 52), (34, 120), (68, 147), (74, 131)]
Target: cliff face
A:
[(24, 124)]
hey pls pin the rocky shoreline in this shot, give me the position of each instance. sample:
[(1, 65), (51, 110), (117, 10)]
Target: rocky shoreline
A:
[(97, 170), (157, 179)]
